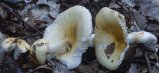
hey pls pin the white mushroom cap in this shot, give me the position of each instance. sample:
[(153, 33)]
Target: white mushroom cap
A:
[(110, 38), (8, 44), (39, 51), (18, 45), (143, 37), (74, 25)]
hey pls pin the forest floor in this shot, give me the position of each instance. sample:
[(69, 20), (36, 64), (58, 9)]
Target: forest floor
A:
[(27, 19)]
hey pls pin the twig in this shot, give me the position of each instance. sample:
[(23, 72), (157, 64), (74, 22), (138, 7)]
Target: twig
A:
[(34, 35), (54, 66), (58, 67), (138, 60), (40, 67), (156, 56), (148, 62), (3, 28), (17, 15)]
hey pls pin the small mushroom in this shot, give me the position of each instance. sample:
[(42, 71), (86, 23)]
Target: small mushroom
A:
[(110, 38), (142, 37), (41, 49), (69, 33), (19, 46)]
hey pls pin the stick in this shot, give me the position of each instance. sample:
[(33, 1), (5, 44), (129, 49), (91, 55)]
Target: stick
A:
[(148, 62), (17, 15), (58, 67)]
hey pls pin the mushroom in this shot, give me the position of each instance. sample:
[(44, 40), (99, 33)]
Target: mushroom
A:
[(18, 45), (142, 37), (110, 38), (41, 48), (68, 36)]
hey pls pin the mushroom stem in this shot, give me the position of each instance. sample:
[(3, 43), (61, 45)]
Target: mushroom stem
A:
[(59, 48), (91, 41)]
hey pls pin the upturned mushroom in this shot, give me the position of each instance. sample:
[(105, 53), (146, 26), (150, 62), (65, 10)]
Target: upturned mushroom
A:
[(19, 46), (67, 37), (110, 38)]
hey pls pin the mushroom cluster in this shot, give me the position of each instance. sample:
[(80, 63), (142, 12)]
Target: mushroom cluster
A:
[(69, 36)]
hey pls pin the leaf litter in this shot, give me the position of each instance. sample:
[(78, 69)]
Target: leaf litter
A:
[(27, 19)]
